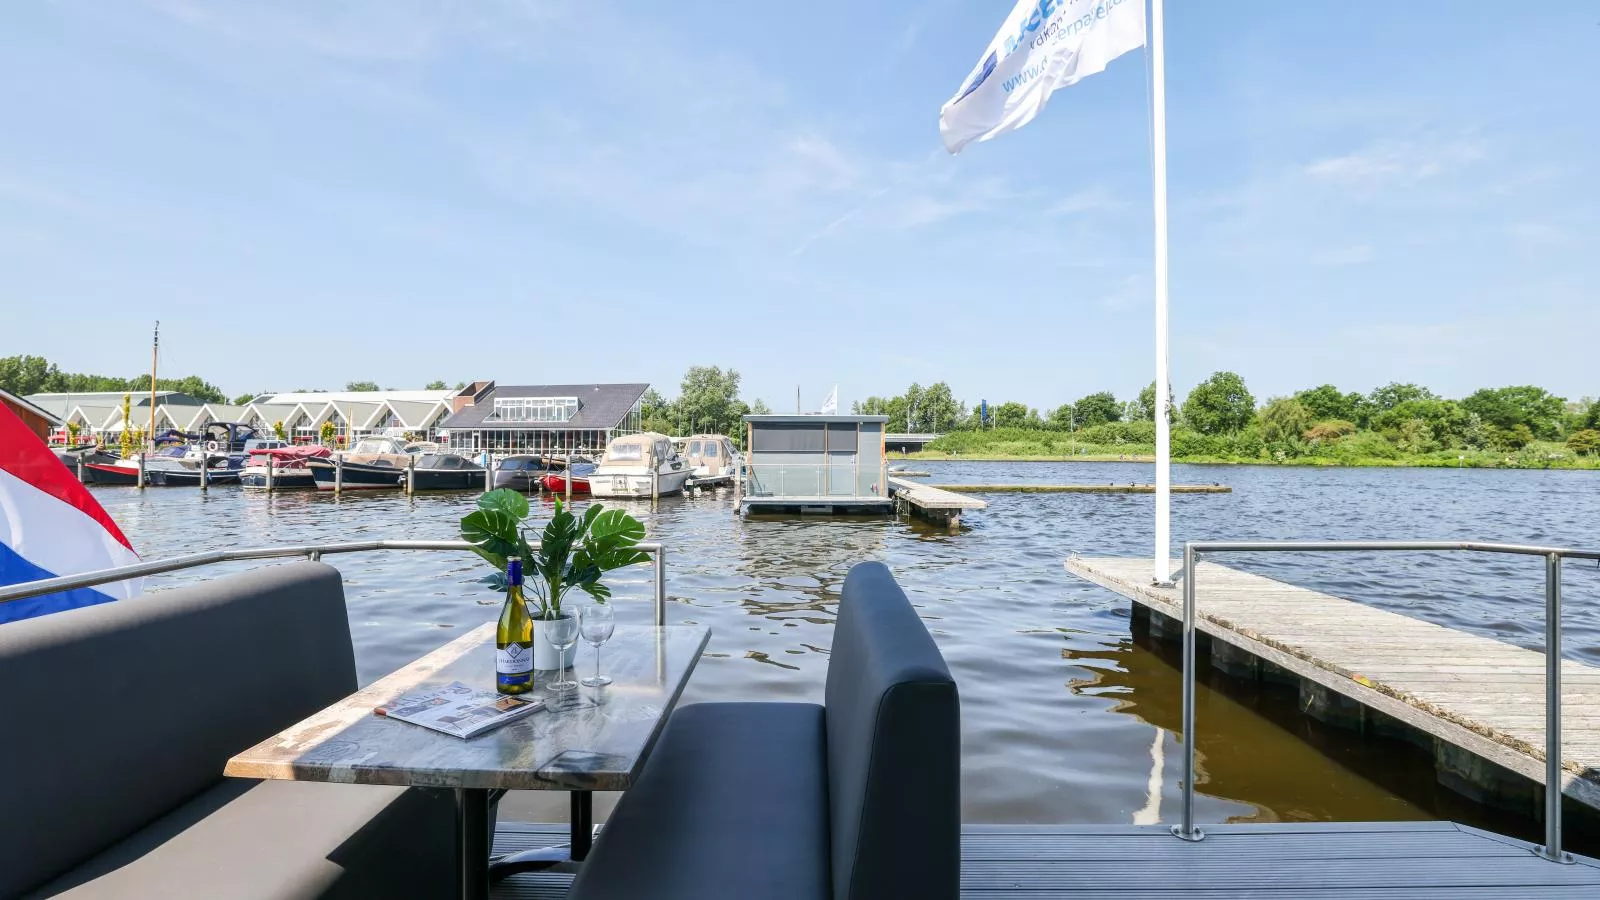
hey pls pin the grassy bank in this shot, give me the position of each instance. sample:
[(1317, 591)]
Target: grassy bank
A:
[(1364, 449)]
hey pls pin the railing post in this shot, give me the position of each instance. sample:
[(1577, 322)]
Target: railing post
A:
[(1552, 711), (661, 585), (1187, 830)]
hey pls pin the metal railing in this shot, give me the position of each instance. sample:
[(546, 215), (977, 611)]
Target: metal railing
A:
[(814, 481), (309, 551), (1553, 782)]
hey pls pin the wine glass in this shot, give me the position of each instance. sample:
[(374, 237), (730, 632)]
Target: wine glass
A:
[(597, 623), (562, 634)]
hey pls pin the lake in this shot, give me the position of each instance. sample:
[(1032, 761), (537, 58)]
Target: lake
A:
[(1066, 717)]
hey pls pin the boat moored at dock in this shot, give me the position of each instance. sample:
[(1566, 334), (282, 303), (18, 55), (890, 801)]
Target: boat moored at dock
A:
[(290, 469), (445, 472), (374, 463), (640, 466)]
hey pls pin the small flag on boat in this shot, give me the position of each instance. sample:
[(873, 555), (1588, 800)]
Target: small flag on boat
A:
[(830, 406), (50, 525), (1043, 45)]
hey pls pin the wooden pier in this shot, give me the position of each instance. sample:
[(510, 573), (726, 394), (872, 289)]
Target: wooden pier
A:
[(1304, 860), (932, 503), (1082, 488), (1477, 703)]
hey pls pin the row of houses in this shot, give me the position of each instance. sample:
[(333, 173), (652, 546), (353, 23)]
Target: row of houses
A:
[(478, 417)]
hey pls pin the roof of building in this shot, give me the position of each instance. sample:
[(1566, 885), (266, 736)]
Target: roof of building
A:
[(292, 398), (49, 415), (62, 403), (416, 415), (600, 406), (811, 417)]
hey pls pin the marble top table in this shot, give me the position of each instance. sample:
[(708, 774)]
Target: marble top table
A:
[(585, 740)]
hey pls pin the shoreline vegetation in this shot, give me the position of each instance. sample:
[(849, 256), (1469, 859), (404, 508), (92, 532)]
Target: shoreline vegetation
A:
[(1542, 455)]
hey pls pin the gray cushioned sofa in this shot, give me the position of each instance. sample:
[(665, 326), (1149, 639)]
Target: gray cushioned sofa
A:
[(120, 717), (857, 799)]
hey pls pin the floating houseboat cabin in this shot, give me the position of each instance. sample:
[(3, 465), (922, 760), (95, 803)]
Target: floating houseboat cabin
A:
[(816, 463)]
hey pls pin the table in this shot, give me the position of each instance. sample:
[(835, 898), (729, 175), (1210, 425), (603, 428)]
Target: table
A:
[(599, 742)]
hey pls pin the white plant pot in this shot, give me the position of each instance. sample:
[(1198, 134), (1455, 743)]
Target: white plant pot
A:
[(545, 657)]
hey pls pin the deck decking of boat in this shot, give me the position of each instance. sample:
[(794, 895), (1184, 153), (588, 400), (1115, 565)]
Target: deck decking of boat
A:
[(1482, 695), (1412, 860)]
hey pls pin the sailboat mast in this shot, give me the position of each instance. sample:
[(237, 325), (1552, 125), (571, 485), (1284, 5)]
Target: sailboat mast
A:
[(155, 345), (1158, 113)]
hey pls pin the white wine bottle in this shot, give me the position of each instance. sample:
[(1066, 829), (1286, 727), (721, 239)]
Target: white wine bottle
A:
[(513, 637)]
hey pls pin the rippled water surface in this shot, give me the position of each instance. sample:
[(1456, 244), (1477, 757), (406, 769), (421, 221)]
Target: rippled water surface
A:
[(1066, 716)]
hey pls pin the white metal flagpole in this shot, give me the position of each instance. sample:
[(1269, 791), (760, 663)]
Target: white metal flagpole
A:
[(1158, 113)]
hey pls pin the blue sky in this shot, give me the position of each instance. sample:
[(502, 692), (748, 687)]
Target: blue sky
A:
[(310, 193)]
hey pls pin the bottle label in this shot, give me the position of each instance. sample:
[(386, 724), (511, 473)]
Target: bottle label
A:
[(513, 664)]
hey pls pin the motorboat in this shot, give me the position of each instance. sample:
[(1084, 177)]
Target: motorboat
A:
[(290, 469), (78, 459), (374, 463), (446, 472), (556, 482), (711, 457), (178, 465), (521, 472), (639, 465)]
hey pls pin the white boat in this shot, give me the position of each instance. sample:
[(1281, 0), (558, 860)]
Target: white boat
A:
[(639, 466), (711, 457)]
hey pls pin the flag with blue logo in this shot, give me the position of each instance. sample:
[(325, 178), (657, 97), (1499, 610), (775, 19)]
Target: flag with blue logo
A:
[(50, 525), (1043, 45)]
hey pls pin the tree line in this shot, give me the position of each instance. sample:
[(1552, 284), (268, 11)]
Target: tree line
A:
[(1221, 418)]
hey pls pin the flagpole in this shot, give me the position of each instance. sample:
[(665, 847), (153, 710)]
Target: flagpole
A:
[(1163, 543)]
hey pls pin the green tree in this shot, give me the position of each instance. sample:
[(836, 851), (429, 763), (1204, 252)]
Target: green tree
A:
[(1284, 420), (1514, 438), (1147, 403), (23, 375), (1063, 418), (1327, 402), (760, 408), (1329, 431), (1446, 424), (436, 385), (708, 400), (1016, 415), (126, 444), (1584, 442), (937, 409), (245, 399), (1098, 409), (327, 433), (1509, 407), (278, 432), (1219, 405), (1394, 393), (361, 386)]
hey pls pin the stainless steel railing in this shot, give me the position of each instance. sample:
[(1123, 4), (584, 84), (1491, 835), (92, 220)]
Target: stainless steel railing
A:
[(1553, 782), (309, 551)]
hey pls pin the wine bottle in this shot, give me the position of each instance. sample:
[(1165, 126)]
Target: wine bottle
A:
[(513, 637)]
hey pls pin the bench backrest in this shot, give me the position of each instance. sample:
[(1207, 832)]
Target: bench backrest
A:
[(894, 749), (119, 712)]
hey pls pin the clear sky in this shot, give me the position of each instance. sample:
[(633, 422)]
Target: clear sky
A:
[(307, 193)]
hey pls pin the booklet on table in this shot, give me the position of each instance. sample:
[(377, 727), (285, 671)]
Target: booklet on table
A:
[(459, 709)]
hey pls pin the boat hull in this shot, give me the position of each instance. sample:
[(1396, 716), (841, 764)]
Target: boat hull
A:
[(445, 479), (282, 479), (556, 483), (358, 477), (634, 485), (168, 478), (109, 474)]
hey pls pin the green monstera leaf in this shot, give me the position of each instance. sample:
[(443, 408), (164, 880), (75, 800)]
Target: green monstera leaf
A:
[(574, 551), (493, 534), (507, 501)]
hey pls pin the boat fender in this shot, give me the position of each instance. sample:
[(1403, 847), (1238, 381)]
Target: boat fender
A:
[(212, 445)]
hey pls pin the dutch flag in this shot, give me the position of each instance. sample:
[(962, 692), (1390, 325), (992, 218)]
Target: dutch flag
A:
[(50, 525)]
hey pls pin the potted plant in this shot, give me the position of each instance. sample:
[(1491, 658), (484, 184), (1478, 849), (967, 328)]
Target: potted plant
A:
[(572, 552)]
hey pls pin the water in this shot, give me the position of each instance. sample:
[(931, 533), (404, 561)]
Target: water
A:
[(1066, 716)]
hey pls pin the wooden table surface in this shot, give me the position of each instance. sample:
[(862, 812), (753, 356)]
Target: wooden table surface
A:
[(598, 743)]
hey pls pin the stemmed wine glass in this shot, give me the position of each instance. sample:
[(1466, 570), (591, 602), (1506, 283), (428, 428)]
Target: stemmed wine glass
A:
[(562, 633), (597, 623)]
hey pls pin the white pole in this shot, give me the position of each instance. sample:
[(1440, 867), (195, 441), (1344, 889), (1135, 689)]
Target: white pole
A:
[(1158, 70)]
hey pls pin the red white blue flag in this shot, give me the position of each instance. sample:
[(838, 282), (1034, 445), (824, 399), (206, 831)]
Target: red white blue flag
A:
[(50, 525)]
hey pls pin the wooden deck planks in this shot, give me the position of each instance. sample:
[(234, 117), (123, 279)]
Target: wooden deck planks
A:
[(1429, 860), (929, 497), (1483, 695)]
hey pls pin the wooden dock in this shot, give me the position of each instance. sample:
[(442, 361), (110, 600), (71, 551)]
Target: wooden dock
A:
[(1082, 488), (1473, 699), (1308, 861), (932, 503)]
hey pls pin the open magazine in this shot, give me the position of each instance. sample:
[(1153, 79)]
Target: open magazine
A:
[(459, 709)]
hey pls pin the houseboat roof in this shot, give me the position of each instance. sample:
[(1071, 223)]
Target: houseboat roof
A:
[(810, 417)]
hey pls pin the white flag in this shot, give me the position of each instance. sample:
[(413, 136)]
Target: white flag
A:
[(830, 406), (1044, 45)]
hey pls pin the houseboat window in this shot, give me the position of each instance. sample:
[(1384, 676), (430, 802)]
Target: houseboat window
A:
[(534, 409)]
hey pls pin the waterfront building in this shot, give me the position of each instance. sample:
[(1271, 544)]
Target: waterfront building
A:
[(543, 417), (39, 420), (816, 463), (354, 414), (99, 413)]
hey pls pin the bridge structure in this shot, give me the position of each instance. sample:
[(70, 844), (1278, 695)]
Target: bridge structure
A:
[(909, 442)]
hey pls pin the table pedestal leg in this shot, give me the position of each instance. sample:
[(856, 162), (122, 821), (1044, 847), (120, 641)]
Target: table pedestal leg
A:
[(472, 842), (581, 837)]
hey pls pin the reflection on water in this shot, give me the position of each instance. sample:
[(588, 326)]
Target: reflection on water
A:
[(1067, 716)]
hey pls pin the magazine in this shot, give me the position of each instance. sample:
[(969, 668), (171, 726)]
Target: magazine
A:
[(459, 709)]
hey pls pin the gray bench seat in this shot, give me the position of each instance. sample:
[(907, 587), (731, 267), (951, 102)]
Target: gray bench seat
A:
[(855, 800), (124, 716)]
